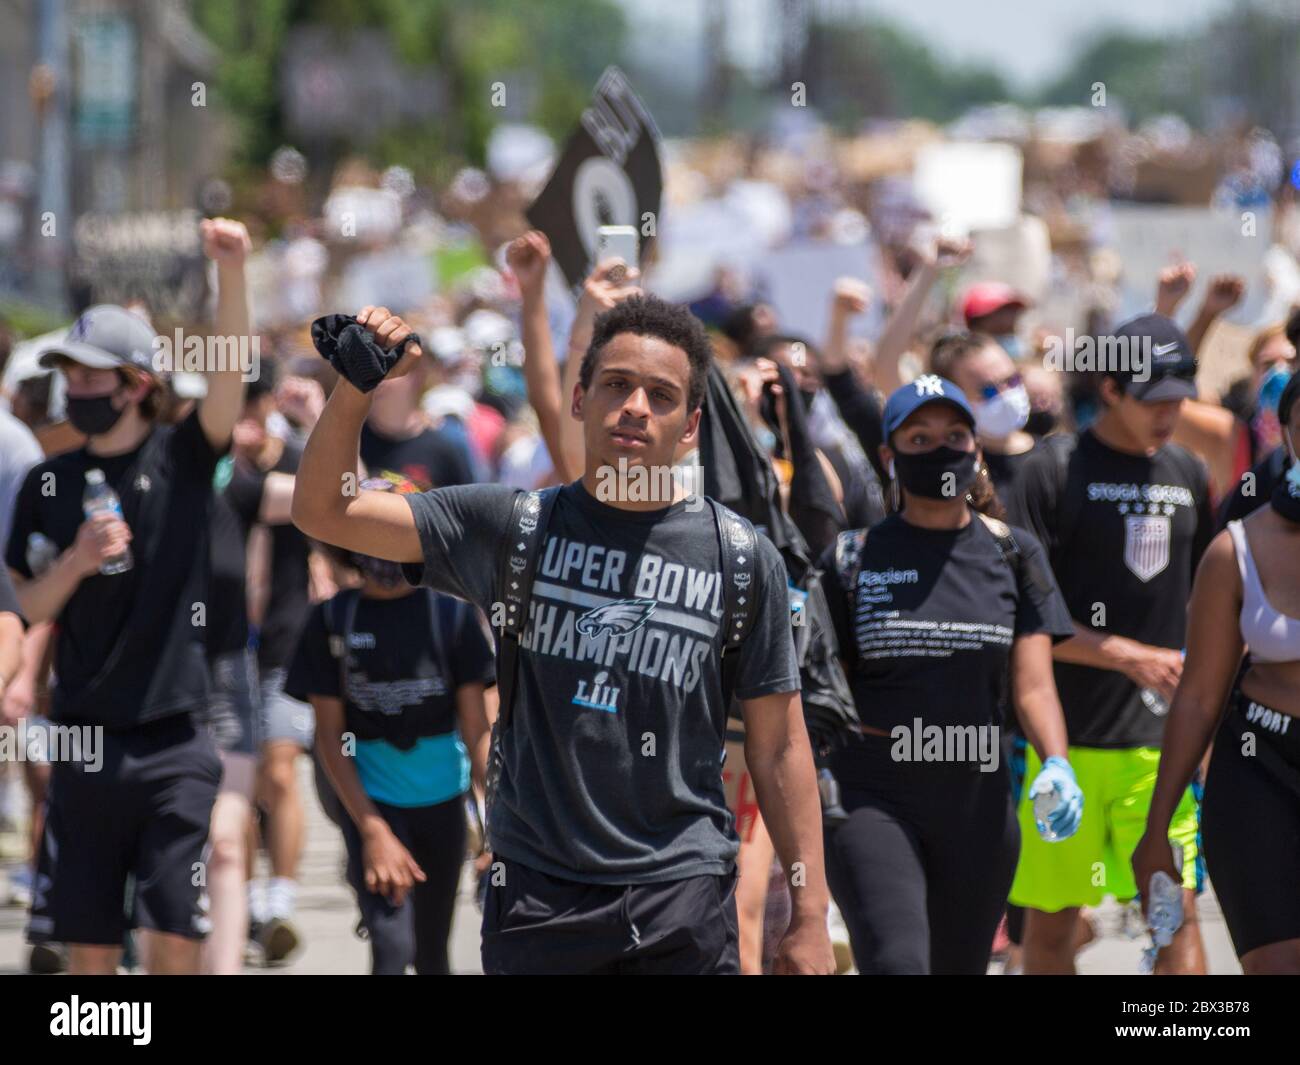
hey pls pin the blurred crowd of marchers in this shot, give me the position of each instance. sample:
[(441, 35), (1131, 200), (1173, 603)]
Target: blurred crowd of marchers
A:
[(1074, 213)]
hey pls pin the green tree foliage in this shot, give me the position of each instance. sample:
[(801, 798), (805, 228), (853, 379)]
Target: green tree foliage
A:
[(547, 55), (867, 68)]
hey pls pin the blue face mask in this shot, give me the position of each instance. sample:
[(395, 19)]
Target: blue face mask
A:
[(1271, 387)]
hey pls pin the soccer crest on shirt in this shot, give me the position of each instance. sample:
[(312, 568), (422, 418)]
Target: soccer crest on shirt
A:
[(1146, 544)]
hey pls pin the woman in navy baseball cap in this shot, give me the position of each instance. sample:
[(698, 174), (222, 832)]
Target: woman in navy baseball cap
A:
[(946, 619)]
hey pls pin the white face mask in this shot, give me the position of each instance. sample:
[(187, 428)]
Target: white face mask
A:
[(1003, 414)]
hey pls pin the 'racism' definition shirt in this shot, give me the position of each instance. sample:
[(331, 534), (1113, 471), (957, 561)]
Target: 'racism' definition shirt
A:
[(1124, 534), (612, 764), (928, 628)]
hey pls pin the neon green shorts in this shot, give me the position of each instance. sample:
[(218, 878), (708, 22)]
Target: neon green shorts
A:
[(1095, 862)]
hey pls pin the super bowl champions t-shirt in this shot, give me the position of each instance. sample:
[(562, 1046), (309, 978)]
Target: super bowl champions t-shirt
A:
[(928, 631), (406, 659), (1124, 534), (131, 647), (612, 764)]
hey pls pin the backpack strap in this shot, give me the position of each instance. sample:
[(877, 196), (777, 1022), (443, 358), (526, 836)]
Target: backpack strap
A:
[(739, 543), (1023, 570), (520, 551), (340, 615)]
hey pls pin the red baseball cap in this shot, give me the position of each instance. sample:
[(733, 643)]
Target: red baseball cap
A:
[(985, 297)]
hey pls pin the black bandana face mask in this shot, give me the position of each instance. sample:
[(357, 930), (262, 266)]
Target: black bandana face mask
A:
[(944, 473), (93, 415)]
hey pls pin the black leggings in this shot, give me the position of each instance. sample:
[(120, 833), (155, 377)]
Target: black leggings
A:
[(923, 866), (416, 932), (1250, 824)]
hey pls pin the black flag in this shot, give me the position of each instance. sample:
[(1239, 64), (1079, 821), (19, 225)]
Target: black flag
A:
[(608, 175)]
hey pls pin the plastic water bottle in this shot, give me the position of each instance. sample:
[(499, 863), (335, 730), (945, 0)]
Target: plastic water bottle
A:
[(41, 553), (1164, 909), (1154, 701), (100, 498), (1045, 804)]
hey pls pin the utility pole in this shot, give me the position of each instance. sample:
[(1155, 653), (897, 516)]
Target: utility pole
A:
[(52, 226)]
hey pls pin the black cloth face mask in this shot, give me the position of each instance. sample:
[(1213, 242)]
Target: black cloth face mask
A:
[(944, 473), (93, 415)]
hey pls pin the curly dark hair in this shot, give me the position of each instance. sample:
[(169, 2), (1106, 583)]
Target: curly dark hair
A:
[(649, 316)]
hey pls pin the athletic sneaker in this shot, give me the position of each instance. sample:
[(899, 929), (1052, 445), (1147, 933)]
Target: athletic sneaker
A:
[(278, 938)]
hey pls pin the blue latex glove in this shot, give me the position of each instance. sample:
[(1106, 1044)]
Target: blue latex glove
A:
[(1057, 775)]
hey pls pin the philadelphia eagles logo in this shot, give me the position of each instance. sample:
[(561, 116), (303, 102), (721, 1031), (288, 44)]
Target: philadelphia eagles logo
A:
[(627, 615)]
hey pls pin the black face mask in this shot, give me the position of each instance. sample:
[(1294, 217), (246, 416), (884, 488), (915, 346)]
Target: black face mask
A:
[(944, 473), (93, 415), (1040, 422)]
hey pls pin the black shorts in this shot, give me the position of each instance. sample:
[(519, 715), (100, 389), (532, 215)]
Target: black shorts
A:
[(1250, 824), (539, 924), (141, 816)]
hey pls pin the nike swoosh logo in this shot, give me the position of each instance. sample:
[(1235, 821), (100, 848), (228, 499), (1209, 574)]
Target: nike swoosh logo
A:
[(1165, 349)]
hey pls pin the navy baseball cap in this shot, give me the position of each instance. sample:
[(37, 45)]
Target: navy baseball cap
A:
[(1159, 353), (928, 388), (105, 337)]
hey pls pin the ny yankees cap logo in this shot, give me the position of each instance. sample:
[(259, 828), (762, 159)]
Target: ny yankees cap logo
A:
[(929, 385)]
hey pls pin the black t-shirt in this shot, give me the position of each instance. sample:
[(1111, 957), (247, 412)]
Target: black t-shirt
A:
[(612, 765), (406, 660), (128, 649), (932, 621), (430, 459), (1124, 534), (288, 600), (227, 598), (1003, 471)]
